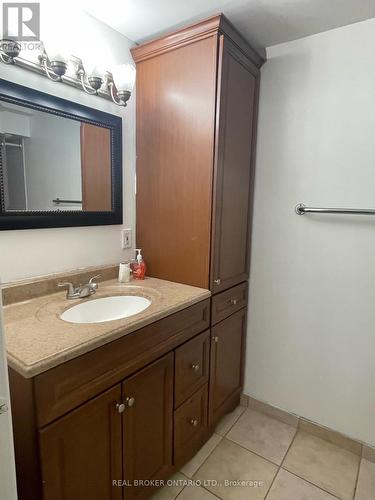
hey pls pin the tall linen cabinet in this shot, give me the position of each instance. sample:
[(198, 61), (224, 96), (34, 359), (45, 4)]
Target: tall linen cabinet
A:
[(197, 100)]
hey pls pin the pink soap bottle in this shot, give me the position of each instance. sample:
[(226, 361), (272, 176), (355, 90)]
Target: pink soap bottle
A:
[(139, 268)]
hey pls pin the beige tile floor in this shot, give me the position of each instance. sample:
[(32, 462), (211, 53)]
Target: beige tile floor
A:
[(255, 457)]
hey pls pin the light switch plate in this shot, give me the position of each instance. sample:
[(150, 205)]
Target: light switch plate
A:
[(126, 238)]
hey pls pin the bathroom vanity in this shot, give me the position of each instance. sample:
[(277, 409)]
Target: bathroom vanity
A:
[(97, 407)]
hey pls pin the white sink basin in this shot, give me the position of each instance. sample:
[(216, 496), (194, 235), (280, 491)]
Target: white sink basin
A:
[(106, 309)]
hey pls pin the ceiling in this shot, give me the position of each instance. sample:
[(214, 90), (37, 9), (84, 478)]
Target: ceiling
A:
[(262, 22)]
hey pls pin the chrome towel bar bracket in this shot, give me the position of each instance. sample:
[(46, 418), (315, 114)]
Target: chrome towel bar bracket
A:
[(302, 209)]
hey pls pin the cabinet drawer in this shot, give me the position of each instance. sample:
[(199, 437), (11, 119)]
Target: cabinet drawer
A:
[(191, 367), (190, 426), (226, 303)]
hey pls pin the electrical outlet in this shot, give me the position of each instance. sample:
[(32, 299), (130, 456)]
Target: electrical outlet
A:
[(126, 238)]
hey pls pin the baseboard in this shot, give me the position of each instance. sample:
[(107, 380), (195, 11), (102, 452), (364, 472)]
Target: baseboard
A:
[(303, 424)]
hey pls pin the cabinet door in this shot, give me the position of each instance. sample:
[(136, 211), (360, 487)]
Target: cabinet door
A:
[(238, 82), (148, 426), (81, 452), (227, 356), (175, 145)]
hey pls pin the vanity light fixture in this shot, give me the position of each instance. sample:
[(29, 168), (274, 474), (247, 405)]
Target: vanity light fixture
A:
[(54, 62), (9, 49), (91, 84), (54, 69), (124, 76), (91, 78)]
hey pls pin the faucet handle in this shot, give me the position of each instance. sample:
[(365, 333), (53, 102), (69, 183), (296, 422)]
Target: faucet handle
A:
[(70, 286), (94, 278), (92, 283), (64, 283)]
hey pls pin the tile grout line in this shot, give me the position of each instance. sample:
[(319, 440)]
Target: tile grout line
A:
[(179, 493), (209, 491), (208, 456), (234, 423), (182, 489), (280, 467), (254, 452), (312, 484), (289, 447), (308, 481), (282, 461), (260, 456), (273, 480), (224, 437), (301, 418), (191, 479), (357, 478)]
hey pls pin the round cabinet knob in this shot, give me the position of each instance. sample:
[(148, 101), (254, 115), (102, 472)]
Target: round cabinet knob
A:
[(194, 422), (195, 367), (233, 302), (217, 281), (215, 339), (130, 402), (120, 407)]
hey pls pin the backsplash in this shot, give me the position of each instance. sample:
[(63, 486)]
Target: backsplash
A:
[(20, 291)]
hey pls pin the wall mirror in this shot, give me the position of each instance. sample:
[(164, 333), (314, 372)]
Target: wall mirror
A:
[(60, 162)]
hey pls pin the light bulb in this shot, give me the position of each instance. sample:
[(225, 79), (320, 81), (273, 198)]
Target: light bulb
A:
[(56, 53), (93, 69), (58, 58), (124, 77)]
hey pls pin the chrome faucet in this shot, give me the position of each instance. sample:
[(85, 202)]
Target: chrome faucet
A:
[(80, 291)]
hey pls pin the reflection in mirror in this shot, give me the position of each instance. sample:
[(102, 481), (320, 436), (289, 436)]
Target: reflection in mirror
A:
[(49, 163)]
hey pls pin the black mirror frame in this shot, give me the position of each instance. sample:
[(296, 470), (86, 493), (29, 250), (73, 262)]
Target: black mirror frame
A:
[(34, 99)]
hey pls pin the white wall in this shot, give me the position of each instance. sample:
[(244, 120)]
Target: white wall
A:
[(12, 123), (53, 162), (26, 253), (311, 338)]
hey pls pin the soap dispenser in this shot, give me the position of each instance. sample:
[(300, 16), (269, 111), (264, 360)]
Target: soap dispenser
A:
[(139, 268)]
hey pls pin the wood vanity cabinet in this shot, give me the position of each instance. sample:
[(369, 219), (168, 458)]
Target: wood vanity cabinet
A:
[(135, 409), (113, 413), (124, 434), (197, 100)]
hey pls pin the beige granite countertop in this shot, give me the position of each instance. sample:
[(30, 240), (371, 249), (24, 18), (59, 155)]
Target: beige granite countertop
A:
[(37, 339)]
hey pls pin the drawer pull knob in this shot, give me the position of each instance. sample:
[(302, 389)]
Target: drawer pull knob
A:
[(194, 422), (120, 407), (215, 339), (233, 302), (217, 281), (129, 402), (195, 367)]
